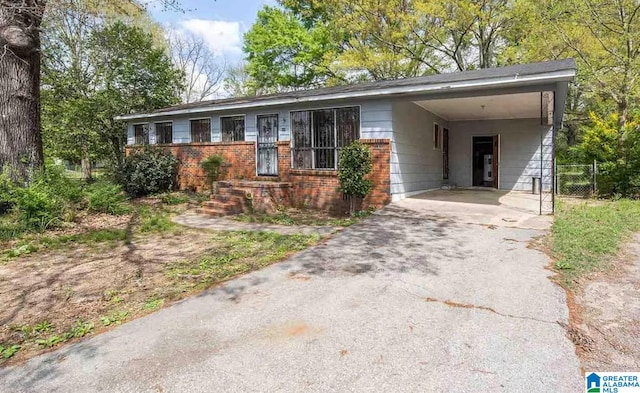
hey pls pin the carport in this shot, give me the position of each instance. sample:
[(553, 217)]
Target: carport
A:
[(496, 132)]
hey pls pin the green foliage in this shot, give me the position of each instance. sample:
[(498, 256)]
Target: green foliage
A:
[(115, 318), (46, 202), (356, 162), (80, 329), (586, 235), (94, 69), (153, 304), (155, 220), (7, 351), (618, 155), (20, 250), (284, 53), (238, 252), (148, 171), (106, 197), (212, 167), (7, 198), (50, 341), (43, 326)]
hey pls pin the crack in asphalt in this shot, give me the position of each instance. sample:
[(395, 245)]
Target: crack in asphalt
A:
[(453, 304)]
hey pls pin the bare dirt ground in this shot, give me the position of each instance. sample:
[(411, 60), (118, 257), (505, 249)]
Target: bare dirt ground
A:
[(606, 315), (87, 283)]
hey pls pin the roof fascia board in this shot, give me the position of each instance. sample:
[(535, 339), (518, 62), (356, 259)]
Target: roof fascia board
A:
[(516, 80)]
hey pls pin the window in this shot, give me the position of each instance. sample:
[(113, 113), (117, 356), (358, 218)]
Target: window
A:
[(201, 130), (318, 136), (164, 132), (232, 128), (436, 137), (141, 134)]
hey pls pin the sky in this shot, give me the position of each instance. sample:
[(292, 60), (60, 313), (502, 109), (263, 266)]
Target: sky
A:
[(221, 23)]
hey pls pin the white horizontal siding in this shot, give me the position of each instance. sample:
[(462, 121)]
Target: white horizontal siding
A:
[(519, 151), (415, 165), (376, 121)]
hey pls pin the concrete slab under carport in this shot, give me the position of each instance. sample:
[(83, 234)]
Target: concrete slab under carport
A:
[(474, 206)]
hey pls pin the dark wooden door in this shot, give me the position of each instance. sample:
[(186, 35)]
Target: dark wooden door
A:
[(496, 161), (267, 149), (445, 154)]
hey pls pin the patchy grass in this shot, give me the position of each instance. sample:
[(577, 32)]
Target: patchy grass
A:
[(585, 236), (238, 252), (302, 217), (155, 219), (61, 287)]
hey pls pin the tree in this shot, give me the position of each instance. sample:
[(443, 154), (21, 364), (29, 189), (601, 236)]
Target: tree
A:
[(70, 76), (236, 81), (20, 123), (203, 70), (133, 75), (284, 54), (20, 136)]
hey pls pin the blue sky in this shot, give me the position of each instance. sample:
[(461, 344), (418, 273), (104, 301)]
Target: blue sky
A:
[(221, 23)]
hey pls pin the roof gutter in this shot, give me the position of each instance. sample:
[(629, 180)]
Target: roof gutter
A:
[(556, 76)]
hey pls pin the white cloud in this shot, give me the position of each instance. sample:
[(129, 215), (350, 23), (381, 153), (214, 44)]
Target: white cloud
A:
[(221, 36)]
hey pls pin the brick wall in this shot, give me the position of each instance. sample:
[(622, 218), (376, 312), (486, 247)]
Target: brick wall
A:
[(313, 188), (239, 158), (319, 188)]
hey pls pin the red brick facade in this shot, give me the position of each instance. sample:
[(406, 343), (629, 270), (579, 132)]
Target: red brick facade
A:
[(311, 188), (239, 158)]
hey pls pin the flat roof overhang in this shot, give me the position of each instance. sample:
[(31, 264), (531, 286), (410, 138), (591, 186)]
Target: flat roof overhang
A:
[(432, 87)]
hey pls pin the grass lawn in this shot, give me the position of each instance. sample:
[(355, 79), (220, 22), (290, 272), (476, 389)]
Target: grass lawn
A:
[(103, 270), (587, 234), (301, 217)]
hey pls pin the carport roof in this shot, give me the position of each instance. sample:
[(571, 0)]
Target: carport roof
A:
[(511, 76)]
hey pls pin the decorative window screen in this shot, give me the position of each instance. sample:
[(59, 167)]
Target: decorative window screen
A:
[(201, 130), (141, 134), (232, 128), (164, 132), (319, 135)]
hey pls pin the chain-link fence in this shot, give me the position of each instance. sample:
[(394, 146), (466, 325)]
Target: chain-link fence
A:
[(576, 180)]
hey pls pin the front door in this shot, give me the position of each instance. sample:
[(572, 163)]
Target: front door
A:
[(486, 159), (267, 149)]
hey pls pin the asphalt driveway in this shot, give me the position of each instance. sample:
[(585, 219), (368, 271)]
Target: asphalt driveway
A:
[(397, 303)]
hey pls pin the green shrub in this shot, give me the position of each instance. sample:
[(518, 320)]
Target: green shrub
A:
[(7, 197), (356, 162), (106, 197), (48, 200), (148, 171), (211, 166)]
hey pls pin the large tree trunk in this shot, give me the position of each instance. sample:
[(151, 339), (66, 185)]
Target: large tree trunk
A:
[(20, 137)]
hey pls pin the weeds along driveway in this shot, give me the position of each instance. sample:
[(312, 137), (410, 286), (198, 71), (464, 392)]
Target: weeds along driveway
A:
[(393, 303)]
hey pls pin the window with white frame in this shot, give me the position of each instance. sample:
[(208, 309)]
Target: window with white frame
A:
[(201, 130), (319, 135), (141, 134), (232, 128), (437, 142), (164, 132)]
